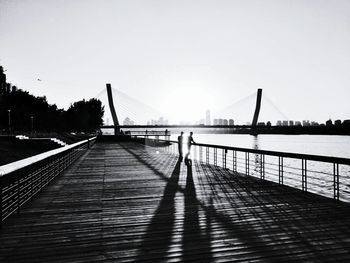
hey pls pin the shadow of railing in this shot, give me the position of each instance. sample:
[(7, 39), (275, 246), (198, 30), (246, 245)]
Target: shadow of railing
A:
[(257, 216)]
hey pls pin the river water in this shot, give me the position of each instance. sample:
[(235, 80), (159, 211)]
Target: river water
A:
[(329, 145)]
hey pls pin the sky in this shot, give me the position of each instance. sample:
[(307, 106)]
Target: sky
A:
[(183, 57)]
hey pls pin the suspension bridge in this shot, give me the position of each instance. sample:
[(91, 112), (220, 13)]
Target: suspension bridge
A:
[(131, 199), (141, 115)]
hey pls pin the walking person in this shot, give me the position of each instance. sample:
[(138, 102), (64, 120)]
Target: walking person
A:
[(180, 139), (190, 140)]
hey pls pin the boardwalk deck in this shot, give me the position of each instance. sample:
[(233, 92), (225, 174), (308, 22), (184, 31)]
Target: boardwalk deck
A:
[(126, 203)]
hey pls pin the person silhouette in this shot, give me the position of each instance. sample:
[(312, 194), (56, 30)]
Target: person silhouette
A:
[(189, 144), (180, 146)]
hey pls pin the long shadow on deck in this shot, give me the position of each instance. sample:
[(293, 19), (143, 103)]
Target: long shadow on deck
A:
[(259, 219), (157, 240), (158, 237), (193, 236)]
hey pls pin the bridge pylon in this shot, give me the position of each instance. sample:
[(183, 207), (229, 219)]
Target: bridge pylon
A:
[(111, 107), (257, 108)]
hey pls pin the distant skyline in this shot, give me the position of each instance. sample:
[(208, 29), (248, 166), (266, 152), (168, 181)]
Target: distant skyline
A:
[(184, 57)]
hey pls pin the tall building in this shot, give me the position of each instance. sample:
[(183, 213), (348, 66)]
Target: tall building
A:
[(306, 123), (2, 80), (207, 118)]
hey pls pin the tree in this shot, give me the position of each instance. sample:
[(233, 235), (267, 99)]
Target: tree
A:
[(84, 115)]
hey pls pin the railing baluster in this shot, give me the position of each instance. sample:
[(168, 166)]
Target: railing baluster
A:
[(224, 153), (234, 153), (207, 155), (247, 163), (262, 166), (280, 170), (304, 174), (336, 180)]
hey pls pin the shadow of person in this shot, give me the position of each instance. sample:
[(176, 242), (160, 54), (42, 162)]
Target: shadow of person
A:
[(158, 236), (196, 241)]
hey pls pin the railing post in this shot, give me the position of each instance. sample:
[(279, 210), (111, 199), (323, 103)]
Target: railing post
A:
[(234, 155), (207, 155), (336, 180), (262, 166), (280, 170), (200, 153), (215, 156), (224, 153), (304, 174), (247, 163)]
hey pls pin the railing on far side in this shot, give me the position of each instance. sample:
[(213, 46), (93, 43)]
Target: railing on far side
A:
[(323, 175), (20, 181)]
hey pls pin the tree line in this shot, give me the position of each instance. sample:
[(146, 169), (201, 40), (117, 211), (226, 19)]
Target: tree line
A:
[(21, 111)]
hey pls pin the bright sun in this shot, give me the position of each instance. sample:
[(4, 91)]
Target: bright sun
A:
[(186, 104)]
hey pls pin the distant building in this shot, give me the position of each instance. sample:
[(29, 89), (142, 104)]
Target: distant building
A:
[(160, 121), (201, 122), (279, 123), (231, 122), (297, 123), (127, 121), (207, 118), (314, 123), (225, 121), (216, 121), (291, 123), (221, 121), (306, 123), (2, 80), (285, 123), (261, 123)]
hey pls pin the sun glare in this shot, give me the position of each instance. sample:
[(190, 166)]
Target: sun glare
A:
[(186, 104)]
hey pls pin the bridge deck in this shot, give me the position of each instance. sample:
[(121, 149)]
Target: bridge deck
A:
[(122, 202)]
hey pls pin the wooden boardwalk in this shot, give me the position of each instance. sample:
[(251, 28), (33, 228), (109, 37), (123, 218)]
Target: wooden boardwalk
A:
[(126, 203)]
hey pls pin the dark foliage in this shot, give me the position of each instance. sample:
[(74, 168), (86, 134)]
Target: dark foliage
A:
[(28, 111)]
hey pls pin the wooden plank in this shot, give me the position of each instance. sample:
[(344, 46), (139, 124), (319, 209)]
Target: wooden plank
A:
[(123, 202)]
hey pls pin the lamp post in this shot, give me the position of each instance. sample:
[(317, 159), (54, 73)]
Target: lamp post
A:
[(9, 111)]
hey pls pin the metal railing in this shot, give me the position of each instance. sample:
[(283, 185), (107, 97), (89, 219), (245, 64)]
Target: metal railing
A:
[(323, 175), (20, 181)]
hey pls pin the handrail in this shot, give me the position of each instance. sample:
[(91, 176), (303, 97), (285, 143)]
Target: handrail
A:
[(20, 181), (14, 166), (311, 157), (320, 176)]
